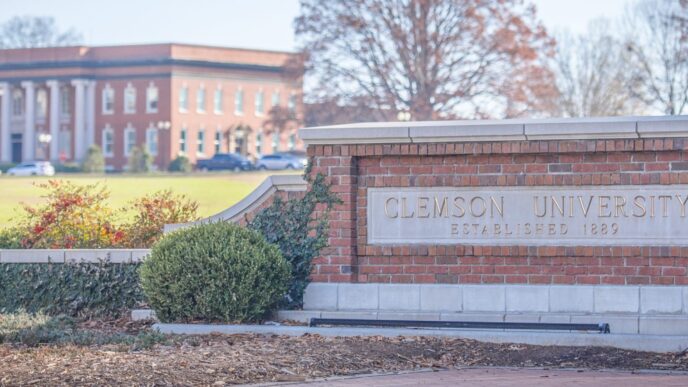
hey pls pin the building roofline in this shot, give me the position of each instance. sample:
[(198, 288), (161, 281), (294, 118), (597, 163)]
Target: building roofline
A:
[(170, 44), (93, 64)]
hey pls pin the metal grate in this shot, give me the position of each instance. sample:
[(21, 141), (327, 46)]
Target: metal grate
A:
[(601, 327)]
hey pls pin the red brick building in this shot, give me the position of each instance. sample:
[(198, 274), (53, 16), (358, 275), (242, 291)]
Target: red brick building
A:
[(171, 99)]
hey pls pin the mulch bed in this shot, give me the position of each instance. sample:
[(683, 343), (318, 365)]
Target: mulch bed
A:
[(235, 359)]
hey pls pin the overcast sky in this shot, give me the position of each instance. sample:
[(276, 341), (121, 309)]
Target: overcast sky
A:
[(265, 24)]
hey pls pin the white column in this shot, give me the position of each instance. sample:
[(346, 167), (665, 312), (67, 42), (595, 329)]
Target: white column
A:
[(5, 139), (29, 138), (90, 114), (54, 119), (79, 118)]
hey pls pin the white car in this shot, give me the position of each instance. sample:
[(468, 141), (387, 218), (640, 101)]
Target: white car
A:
[(32, 168), (281, 161)]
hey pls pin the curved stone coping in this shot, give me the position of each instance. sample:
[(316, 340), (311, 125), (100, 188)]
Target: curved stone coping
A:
[(602, 128), (72, 255), (234, 213)]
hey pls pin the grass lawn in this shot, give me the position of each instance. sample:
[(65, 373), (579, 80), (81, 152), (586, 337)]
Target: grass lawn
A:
[(213, 191)]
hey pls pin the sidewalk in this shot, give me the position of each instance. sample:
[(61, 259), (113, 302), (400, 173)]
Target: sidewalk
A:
[(510, 377)]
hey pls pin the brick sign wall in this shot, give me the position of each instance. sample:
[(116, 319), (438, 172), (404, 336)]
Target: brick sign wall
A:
[(588, 161)]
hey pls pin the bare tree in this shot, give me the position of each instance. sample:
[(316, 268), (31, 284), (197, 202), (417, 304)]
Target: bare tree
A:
[(433, 58), (658, 42), (279, 119), (592, 74), (30, 31), (333, 112)]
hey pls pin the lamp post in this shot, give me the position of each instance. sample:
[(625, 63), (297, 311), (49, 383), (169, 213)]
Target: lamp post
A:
[(164, 126), (44, 139)]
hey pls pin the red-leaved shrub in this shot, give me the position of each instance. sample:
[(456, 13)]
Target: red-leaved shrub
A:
[(153, 212), (77, 216)]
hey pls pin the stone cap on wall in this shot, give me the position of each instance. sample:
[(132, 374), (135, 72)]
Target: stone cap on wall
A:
[(257, 197), (601, 128)]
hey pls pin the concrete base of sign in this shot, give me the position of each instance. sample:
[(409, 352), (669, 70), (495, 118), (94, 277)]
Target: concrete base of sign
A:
[(601, 299), (632, 342), (656, 310)]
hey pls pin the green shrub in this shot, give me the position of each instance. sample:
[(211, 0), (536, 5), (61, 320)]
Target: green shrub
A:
[(94, 161), (73, 289), (67, 168), (140, 161), (300, 235), (5, 166), (180, 164), (214, 272), (10, 238)]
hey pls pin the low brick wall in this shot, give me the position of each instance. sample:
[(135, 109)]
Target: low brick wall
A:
[(354, 168)]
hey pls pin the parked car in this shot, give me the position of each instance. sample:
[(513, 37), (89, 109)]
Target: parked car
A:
[(301, 155), (32, 168), (281, 161), (225, 161)]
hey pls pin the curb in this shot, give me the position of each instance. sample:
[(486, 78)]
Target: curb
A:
[(651, 343)]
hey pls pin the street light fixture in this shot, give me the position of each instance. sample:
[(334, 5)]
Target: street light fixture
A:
[(44, 139), (404, 115), (164, 125)]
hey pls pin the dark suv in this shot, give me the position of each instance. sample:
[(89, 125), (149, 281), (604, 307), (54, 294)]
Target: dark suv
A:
[(225, 161)]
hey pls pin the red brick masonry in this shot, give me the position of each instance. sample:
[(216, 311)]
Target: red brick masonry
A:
[(354, 168)]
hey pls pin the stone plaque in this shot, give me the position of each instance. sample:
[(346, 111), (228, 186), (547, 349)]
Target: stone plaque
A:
[(579, 215)]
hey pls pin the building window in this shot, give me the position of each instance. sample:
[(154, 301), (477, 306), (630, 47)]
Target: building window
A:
[(65, 106), (275, 142), (275, 98), (152, 99), (129, 139), (217, 102), (17, 103), (218, 141), (259, 103), (129, 99), (259, 143), (184, 99), (152, 141), (291, 104), (200, 143), (239, 102), (41, 103), (108, 100), (292, 141), (200, 100), (108, 142), (182, 140)]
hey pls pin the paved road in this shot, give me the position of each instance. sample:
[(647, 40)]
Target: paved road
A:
[(510, 377)]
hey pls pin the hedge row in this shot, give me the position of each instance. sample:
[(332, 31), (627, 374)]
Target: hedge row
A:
[(74, 289)]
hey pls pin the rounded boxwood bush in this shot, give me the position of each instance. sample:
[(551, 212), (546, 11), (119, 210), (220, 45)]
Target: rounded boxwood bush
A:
[(214, 272), (180, 164)]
